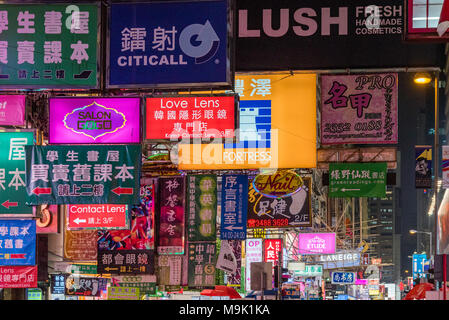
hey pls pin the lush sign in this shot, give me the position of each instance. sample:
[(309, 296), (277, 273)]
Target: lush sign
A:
[(52, 45), (94, 120), (278, 185)]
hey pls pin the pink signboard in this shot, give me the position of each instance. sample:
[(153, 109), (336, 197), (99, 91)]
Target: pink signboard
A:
[(94, 120), (98, 216), (18, 277), (359, 109), (12, 110), (316, 243)]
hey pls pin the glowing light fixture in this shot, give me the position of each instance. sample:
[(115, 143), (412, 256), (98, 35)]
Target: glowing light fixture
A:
[(422, 78)]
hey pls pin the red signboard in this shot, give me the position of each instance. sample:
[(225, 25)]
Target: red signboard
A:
[(190, 117), (18, 277), (97, 216), (272, 249)]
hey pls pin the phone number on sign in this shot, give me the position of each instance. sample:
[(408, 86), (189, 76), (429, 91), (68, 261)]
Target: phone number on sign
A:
[(253, 223)]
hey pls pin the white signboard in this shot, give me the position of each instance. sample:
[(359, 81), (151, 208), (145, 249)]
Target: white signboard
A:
[(253, 254)]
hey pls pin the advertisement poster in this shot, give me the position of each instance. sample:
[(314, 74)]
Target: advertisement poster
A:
[(253, 253), (202, 207), (80, 245), (48, 46), (423, 167), (316, 243), (48, 219), (12, 110), (357, 180), (269, 212), (88, 174), (12, 172), (202, 256), (84, 286), (359, 108), (186, 117), (94, 120), (234, 207), (445, 167), (18, 242), (18, 277), (172, 215), (152, 44)]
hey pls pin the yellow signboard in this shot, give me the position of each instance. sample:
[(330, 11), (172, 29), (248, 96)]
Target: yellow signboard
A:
[(283, 103)]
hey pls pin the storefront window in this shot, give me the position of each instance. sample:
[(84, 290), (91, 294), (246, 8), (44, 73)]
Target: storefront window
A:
[(423, 15)]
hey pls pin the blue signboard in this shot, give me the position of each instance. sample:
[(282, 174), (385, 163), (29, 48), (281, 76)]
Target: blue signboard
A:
[(234, 203), (418, 265), (17, 242), (57, 284), (169, 44), (343, 278)]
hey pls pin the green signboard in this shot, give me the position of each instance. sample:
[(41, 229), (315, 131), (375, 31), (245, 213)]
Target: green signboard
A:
[(201, 207), (51, 45), (84, 269), (357, 179), (12, 172), (83, 174), (123, 293), (34, 294)]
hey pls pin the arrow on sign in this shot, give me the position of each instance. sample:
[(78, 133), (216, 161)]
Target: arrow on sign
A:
[(78, 220), (349, 189), (39, 191), (8, 204), (230, 228), (119, 191)]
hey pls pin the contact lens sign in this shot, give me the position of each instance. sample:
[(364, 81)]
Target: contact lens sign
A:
[(98, 216)]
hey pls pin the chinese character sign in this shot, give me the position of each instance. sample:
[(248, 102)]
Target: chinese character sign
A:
[(201, 207), (57, 284), (423, 167), (253, 253), (343, 277), (269, 212), (202, 264), (83, 174), (94, 120), (357, 179), (80, 245), (171, 229), (272, 249), (17, 242), (190, 117), (149, 46), (48, 45), (234, 206), (12, 110), (359, 108), (84, 286), (12, 172), (18, 277)]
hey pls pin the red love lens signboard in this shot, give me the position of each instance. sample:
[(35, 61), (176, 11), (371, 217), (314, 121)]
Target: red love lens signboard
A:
[(18, 277), (98, 216), (191, 117)]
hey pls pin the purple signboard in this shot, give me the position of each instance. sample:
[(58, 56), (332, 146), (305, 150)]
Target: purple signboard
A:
[(94, 120), (12, 110), (317, 243), (359, 109)]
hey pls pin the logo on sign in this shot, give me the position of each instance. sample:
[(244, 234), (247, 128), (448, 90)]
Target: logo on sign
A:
[(278, 185), (94, 120), (207, 38), (316, 244)]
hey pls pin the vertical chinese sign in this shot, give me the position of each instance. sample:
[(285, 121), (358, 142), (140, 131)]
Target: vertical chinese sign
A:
[(96, 174), (202, 256), (359, 108), (253, 253), (12, 110), (12, 172), (272, 250), (423, 167), (50, 45), (234, 206), (172, 215), (202, 207), (18, 242)]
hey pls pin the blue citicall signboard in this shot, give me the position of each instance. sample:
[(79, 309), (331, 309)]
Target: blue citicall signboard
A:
[(169, 44), (17, 242), (418, 265), (234, 204)]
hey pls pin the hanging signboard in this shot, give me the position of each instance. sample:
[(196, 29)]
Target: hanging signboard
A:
[(268, 127), (48, 46), (18, 277), (80, 245), (445, 167), (89, 174), (234, 279), (423, 167), (202, 264), (123, 293), (145, 283), (84, 286), (272, 249), (98, 216), (359, 109), (234, 206), (253, 253), (12, 110), (12, 172), (170, 270), (269, 212), (18, 242), (57, 284), (343, 277), (357, 179), (341, 259), (316, 243), (94, 120), (149, 46), (283, 183), (191, 117), (226, 260), (171, 229), (202, 207)]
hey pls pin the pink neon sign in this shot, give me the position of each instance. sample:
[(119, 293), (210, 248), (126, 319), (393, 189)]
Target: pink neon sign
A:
[(316, 243)]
